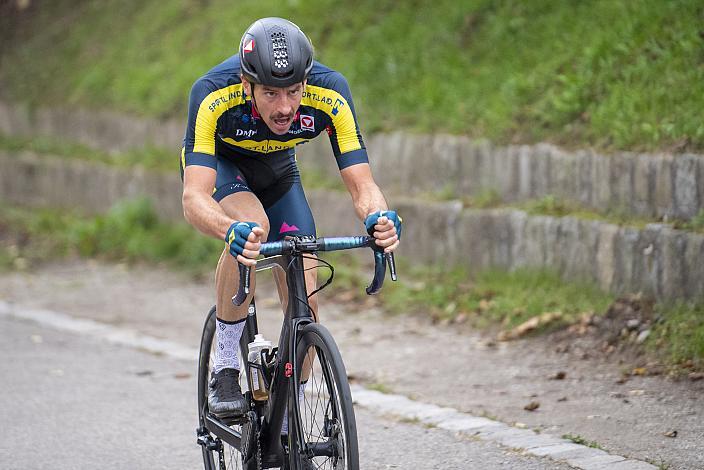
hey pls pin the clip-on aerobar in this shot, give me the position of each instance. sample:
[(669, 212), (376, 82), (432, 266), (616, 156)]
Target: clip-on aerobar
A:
[(311, 245)]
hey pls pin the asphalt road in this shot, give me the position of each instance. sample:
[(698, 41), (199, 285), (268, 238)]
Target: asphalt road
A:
[(69, 401)]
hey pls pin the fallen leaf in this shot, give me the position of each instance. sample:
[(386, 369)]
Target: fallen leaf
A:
[(671, 433), (640, 371), (559, 376), (532, 406), (530, 325), (521, 425), (182, 375)]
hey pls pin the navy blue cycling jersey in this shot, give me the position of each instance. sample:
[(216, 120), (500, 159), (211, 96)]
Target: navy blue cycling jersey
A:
[(219, 112)]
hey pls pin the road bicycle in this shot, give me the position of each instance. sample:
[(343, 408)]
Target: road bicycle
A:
[(321, 423)]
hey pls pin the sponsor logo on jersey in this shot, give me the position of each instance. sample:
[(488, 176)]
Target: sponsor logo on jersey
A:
[(245, 133), (249, 47), (234, 95), (336, 107), (307, 122)]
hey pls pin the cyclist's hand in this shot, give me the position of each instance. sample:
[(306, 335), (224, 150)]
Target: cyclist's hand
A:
[(244, 239), (385, 226)]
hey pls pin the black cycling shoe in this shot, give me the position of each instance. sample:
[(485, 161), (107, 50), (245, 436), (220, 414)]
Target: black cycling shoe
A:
[(225, 399)]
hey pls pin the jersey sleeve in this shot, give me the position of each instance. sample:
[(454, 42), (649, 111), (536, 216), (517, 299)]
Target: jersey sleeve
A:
[(347, 144), (199, 141)]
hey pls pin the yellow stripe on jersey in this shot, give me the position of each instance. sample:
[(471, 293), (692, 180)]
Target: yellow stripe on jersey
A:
[(264, 146), (209, 111), (183, 158), (334, 105)]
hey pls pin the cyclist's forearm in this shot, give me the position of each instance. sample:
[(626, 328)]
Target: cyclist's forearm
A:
[(206, 215), (369, 199), (366, 195)]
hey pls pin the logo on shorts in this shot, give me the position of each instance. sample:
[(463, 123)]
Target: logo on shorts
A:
[(307, 122), (287, 228)]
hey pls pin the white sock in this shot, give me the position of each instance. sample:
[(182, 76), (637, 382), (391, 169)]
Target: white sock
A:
[(227, 353), (284, 425)]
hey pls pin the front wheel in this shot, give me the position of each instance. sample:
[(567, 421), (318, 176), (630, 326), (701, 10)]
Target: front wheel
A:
[(217, 454), (327, 437)]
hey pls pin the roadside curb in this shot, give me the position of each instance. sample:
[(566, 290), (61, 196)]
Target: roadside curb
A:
[(523, 440), (97, 330), (450, 419)]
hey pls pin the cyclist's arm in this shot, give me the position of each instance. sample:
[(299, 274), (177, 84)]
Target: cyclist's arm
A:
[(199, 208), (366, 195), (367, 198)]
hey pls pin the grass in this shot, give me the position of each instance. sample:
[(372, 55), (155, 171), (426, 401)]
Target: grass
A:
[(679, 334), (129, 232), (582, 441), (608, 74), (489, 298)]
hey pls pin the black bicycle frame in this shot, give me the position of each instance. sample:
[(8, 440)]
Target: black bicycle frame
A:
[(298, 314)]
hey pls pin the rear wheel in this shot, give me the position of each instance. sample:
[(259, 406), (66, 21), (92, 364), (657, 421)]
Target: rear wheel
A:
[(217, 454), (328, 428)]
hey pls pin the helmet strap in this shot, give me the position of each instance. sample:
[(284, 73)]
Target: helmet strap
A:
[(254, 101)]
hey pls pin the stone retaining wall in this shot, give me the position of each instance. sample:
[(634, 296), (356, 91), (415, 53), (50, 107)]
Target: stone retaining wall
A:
[(414, 165), (657, 261)]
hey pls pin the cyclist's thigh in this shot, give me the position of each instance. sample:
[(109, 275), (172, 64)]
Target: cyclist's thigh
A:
[(290, 214), (234, 195)]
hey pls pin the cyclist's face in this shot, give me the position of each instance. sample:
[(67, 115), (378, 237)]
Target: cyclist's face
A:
[(277, 106)]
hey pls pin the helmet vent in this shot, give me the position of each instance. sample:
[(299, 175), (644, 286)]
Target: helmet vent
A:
[(278, 42)]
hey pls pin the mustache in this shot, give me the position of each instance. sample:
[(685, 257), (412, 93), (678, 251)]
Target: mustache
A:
[(282, 116)]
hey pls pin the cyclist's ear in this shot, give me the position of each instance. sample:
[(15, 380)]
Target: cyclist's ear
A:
[(246, 86)]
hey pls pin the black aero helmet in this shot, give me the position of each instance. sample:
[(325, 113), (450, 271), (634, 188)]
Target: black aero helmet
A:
[(275, 52)]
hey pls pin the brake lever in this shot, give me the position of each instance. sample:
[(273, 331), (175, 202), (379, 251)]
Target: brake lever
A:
[(243, 290)]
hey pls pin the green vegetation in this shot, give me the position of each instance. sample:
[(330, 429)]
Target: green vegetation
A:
[(679, 334), (582, 441), (129, 232), (489, 298), (610, 74)]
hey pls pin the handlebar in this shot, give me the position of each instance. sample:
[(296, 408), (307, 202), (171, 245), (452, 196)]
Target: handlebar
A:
[(301, 245)]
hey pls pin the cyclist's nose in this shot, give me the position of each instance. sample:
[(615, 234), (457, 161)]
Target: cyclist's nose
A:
[(284, 106)]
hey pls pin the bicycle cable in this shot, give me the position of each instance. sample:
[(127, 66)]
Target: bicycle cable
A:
[(322, 263)]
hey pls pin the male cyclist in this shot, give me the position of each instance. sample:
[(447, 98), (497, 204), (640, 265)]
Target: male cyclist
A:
[(240, 179)]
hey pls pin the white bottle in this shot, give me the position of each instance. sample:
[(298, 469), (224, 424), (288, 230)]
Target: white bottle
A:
[(259, 391)]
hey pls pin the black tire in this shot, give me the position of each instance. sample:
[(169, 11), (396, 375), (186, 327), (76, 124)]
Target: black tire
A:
[(327, 415), (228, 455)]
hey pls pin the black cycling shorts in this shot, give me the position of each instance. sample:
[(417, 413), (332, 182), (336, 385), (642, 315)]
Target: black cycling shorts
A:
[(276, 182)]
